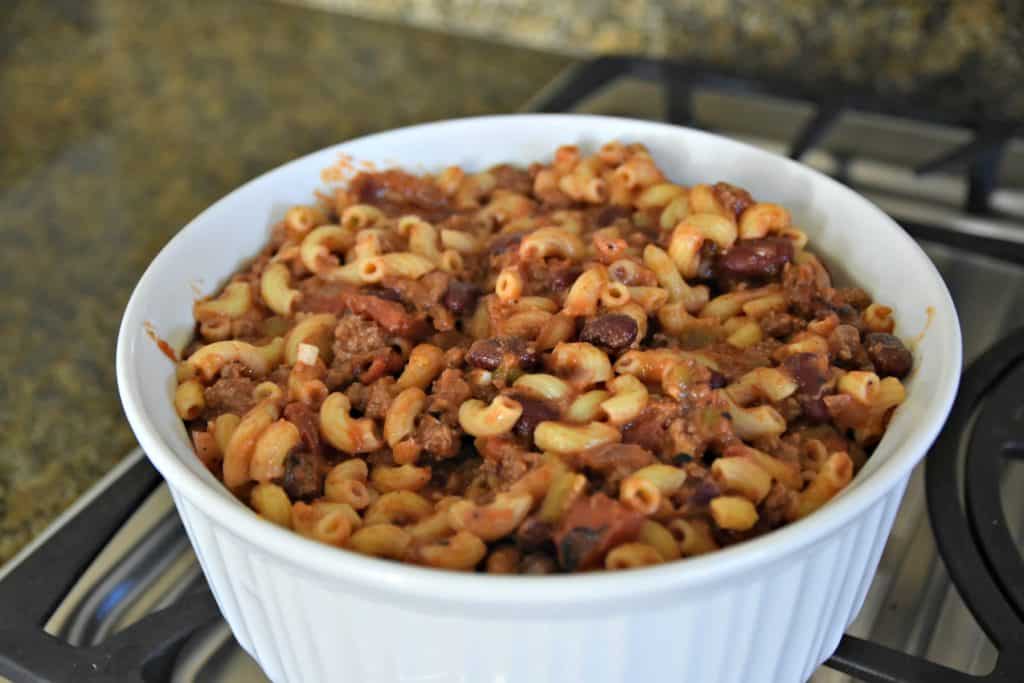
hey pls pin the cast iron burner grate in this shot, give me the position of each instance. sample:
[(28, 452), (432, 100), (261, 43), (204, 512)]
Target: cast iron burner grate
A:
[(980, 156), (29, 594), (963, 472)]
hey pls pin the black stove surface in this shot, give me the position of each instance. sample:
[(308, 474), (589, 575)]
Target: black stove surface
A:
[(965, 479)]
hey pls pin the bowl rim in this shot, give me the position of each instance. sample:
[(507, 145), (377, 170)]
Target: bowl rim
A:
[(526, 592)]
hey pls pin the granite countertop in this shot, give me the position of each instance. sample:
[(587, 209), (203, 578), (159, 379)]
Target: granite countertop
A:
[(965, 57), (119, 122)]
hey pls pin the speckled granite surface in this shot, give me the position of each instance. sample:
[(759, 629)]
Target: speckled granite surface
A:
[(963, 54), (120, 121)]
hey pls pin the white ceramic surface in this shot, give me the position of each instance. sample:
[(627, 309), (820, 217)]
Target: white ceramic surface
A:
[(771, 609)]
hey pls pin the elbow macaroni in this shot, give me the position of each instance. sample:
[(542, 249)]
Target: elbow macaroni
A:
[(479, 419), (336, 386), (344, 432)]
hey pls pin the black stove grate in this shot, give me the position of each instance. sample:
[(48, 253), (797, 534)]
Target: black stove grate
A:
[(973, 536), (963, 480), (980, 157), (30, 593), (964, 500)]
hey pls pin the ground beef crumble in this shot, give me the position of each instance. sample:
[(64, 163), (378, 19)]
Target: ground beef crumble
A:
[(229, 395)]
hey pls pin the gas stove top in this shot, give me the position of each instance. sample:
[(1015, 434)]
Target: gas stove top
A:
[(125, 600)]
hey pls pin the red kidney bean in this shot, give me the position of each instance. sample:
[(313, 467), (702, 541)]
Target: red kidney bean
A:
[(486, 354), (461, 296), (888, 354), (562, 276), (755, 259), (489, 354), (579, 548), (707, 489), (809, 370), (815, 410), (706, 260), (533, 534), (535, 411)]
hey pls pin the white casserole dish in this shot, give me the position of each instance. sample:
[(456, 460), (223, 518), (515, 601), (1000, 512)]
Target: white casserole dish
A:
[(771, 609)]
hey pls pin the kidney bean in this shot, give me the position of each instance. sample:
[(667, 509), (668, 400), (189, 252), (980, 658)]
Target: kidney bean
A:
[(486, 354), (809, 370), (578, 548), (706, 260), (814, 410), (707, 489), (489, 354), (461, 296), (535, 411), (613, 331), (755, 259), (888, 354), (533, 534), (563, 275)]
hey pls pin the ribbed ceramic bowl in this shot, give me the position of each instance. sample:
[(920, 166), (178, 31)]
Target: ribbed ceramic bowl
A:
[(771, 609)]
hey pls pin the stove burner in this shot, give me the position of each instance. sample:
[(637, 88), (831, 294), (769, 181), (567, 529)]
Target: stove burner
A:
[(980, 156), (964, 494), (1000, 420), (963, 474), (963, 483), (144, 651)]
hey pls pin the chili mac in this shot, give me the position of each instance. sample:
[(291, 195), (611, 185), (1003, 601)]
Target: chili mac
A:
[(574, 366)]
